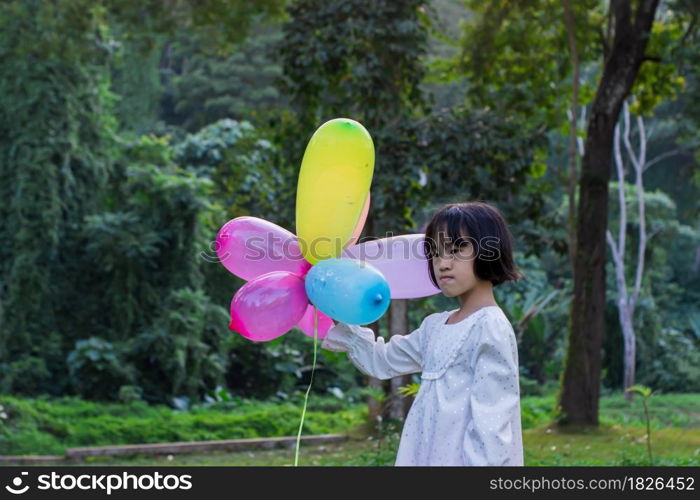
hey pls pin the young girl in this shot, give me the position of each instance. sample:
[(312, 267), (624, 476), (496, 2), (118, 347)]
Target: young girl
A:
[(467, 411)]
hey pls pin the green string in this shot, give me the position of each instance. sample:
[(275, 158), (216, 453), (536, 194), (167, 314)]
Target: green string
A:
[(306, 398)]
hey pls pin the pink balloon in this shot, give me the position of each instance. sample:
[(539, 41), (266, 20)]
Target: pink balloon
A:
[(269, 306), (402, 262), (360, 223), (250, 247), (306, 324)]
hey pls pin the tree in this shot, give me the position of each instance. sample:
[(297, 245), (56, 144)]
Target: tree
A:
[(203, 87), (56, 146), (580, 384), (627, 300), (174, 54), (67, 187)]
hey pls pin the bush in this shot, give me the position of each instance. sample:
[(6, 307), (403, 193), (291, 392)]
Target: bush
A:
[(49, 426), (97, 369)]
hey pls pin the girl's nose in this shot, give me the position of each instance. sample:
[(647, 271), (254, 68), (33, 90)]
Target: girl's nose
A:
[(444, 264)]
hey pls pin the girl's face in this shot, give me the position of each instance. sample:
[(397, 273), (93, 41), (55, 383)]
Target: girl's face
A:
[(454, 268)]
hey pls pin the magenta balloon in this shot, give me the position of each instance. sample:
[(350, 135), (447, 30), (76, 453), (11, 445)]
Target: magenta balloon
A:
[(401, 260), (269, 306), (250, 247), (306, 324)]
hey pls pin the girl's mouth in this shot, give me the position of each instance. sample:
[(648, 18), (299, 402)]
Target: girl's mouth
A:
[(446, 279)]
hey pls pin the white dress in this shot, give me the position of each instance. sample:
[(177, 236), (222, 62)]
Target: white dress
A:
[(467, 411)]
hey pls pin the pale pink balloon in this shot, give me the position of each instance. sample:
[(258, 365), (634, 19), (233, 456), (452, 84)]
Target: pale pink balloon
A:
[(250, 247), (269, 306), (306, 324), (360, 224), (402, 262)]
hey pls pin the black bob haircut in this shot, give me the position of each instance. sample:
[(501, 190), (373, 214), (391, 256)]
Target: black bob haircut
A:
[(481, 225)]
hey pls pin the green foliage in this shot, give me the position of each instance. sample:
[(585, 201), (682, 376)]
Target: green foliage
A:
[(538, 310), (130, 393), (218, 23), (668, 352), (409, 390), (182, 353), (97, 369), (344, 59), (120, 296), (49, 426), (28, 374), (646, 393), (243, 167), (659, 77), (134, 251), (640, 389), (150, 38), (458, 154), (676, 365), (168, 328), (383, 447), (668, 410), (205, 88), (146, 241), (281, 369), (56, 145), (516, 56), (139, 92)]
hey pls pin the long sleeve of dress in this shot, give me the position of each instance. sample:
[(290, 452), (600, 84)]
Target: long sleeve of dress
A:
[(493, 434), (401, 355)]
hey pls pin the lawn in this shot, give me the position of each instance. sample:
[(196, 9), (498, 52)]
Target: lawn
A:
[(607, 445), (618, 440)]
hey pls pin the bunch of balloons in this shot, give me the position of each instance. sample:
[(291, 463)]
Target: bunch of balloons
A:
[(321, 267)]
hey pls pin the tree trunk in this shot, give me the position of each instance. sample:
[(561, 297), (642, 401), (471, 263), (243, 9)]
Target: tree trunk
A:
[(398, 325), (630, 349), (578, 399)]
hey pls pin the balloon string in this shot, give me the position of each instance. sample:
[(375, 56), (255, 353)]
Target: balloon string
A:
[(306, 398)]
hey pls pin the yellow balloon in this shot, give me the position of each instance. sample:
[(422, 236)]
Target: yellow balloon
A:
[(334, 182)]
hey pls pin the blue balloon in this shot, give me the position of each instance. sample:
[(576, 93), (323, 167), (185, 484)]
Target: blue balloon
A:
[(348, 290)]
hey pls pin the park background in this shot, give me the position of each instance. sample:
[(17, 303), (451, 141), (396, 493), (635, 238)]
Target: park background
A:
[(131, 131)]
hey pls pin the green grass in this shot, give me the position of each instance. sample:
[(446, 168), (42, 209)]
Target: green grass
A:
[(47, 427), (665, 410), (543, 447), (611, 445), (619, 440)]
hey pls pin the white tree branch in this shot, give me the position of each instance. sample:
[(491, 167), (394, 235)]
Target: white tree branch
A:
[(618, 259), (626, 137), (613, 246), (619, 166), (662, 156)]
